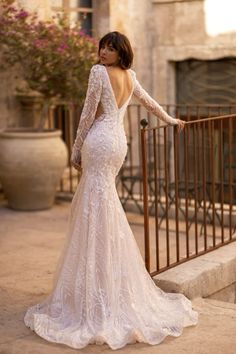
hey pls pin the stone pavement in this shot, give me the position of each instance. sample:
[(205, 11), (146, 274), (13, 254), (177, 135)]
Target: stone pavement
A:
[(30, 244)]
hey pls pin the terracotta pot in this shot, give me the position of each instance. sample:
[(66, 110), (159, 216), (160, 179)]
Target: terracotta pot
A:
[(31, 165)]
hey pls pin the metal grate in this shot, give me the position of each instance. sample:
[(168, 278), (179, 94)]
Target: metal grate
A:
[(206, 82), (196, 204)]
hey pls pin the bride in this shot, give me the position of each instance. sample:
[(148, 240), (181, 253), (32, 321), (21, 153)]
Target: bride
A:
[(102, 291)]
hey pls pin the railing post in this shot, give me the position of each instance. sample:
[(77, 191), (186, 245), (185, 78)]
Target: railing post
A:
[(144, 124)]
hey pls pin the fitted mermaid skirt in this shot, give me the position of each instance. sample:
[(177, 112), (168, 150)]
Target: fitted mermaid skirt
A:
[(103, 293)]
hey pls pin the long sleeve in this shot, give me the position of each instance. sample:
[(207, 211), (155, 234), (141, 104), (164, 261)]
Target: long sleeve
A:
[(150, 104), (92, 99)]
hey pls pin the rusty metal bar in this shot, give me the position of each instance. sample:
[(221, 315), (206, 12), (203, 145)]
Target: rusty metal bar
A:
[(157, 189), (195, 188), (145, 193), (166, 161), (230, 178), (198, 159), (186, 183), (202, 120), (204, 150), (176, 165), (212, 119), (221, 167), (212, 132)]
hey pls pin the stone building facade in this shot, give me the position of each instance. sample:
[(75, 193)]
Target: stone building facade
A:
[(173, 40)]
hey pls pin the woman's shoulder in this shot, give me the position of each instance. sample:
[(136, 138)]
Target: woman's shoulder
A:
[(97, 68), (132, 73), (96, 72)]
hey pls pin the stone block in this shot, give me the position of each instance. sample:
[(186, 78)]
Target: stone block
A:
[(203, 276)]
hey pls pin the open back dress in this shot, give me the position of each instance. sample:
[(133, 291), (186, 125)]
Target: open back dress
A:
[(103, 292)]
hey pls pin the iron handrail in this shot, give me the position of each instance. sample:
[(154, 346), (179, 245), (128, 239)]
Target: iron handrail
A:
[(190, 122), (201, 164)]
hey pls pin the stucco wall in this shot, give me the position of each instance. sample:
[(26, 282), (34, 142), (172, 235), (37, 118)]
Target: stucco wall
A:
[(133, 18), (180, 33), (101, 18), (42, 7)]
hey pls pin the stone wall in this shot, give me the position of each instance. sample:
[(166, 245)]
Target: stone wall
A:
[(163, 32), (134, 18), (101, 17), (180, 33), (42, 7)]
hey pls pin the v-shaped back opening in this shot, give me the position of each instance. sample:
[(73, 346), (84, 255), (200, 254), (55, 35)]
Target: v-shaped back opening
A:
[(113, 93)]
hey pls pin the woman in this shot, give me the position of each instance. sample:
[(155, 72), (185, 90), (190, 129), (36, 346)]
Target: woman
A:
[(102, 292)]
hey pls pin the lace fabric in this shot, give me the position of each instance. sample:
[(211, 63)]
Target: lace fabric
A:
[(149, 103), (102, 291), (99, 82), (89, 110)]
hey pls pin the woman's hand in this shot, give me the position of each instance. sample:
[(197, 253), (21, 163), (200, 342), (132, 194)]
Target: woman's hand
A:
[(75, 159), (77, 166), (180, 124)]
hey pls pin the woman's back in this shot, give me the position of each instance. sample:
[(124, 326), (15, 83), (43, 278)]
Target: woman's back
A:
[(117, 87), (121, 84)]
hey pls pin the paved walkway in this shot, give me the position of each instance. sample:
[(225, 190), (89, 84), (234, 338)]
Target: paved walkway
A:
[(30, 243)]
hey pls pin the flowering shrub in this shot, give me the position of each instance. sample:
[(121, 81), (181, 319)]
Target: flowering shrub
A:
[(55, 58)]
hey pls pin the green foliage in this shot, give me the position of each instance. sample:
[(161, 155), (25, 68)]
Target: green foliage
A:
[(55, 58)]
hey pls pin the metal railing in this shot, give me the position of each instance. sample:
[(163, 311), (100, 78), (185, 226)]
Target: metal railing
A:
[(189, 186), (129, 181), (66, 118)]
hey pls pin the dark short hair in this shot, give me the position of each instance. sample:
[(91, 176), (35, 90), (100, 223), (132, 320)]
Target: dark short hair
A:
[(121, 43)]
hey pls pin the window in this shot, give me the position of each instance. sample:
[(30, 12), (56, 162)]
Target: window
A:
[(208, 88), (77, 10), (206, 82)]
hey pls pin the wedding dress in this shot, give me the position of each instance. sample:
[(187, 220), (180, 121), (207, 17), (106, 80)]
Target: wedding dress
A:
[(103, 293)]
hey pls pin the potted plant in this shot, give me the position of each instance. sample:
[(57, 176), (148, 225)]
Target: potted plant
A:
[(54, 61)]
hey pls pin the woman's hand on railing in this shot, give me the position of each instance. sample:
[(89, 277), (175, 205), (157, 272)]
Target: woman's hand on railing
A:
[(180, 124), (75, 159), (76, 165)]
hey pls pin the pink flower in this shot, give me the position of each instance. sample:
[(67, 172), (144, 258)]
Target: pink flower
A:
[(38, 43), (22, 14), (62, 48), (81, 33), (51, 48)]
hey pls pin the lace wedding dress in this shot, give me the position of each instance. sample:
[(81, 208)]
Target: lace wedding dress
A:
[(103, 293)]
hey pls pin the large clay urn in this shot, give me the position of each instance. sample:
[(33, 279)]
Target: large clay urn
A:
[(31, 165)]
